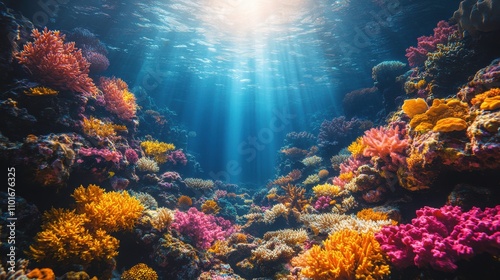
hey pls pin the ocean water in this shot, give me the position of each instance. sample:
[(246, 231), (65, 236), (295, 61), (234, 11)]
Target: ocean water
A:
[(235, 86)]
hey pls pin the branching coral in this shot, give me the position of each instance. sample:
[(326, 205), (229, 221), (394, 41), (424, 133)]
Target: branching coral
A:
[(210, 207), (97, 128), (346, 254), (146, 164), (41, 91), (55, 63), (111, 211), (119, 100), (387, 144), (156, 149), (66, 238), (326, 190), (294, 197)]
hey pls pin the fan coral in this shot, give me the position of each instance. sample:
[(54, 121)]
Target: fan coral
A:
[(203, 229), (58, 64), (412, 107), (118, 99), (441, 237), (65, 238), (387, 144), (139, 271), (346, 254), (41, 91), (157, 150), (111, 211)]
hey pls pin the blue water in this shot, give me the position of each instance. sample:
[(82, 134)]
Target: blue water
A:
[(241, 74)]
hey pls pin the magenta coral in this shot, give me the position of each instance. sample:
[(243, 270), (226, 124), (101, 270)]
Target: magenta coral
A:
[(177, 157), (441, 237), (105, 154), (131, 155), (389, 144), (323, 202), (202, 228), (418, 55), (57, 64)]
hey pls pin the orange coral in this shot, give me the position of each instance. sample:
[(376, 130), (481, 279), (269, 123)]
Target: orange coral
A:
[(97, 128), (184, 201), (491, 103), (210, 207), (450, 124), (479, 99), (412, 107), (111, 211), (58, 64), (369, 214), (139, 271), (157, 150), (65, 238), (440, 109), (356, 148), (119, 100), (39, 91), (41, 274), (294, 198), (346, 254), (323, 173)]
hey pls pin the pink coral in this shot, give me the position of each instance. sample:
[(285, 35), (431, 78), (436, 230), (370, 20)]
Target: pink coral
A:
[(105, 154), (389, 144), (441, 237), (202, 228), (131, 155), (57, 64), (418, 55), (323, 202), (176, 157)]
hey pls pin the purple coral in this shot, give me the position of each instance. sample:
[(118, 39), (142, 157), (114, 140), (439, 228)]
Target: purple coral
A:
[(441, 237), (177, 157), (203, 229), (338, 133)]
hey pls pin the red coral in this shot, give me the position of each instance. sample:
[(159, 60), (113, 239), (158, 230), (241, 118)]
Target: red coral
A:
[(118, 99), (57, 64)]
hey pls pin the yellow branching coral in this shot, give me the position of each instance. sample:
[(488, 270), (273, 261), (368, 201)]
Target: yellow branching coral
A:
[(210, 207), (412, 107), (39, 91), (98, 128), (157, 150), (440, 109), (450, 124), (111, 211), (357, 147), (139, 271), (64, 238), (346, 254), (326, 190)]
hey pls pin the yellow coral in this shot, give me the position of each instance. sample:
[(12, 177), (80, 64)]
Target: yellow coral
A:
[(64, 238), (210, 207), (346, 254), (346, 177), (139, 271), (157, 150), (440, 109), (491, 103), (111, 211), (39, 91), (356, 148), (412, 107), (480, 98), (98, 128), (326, 190), (450, 124), (369, 214)]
